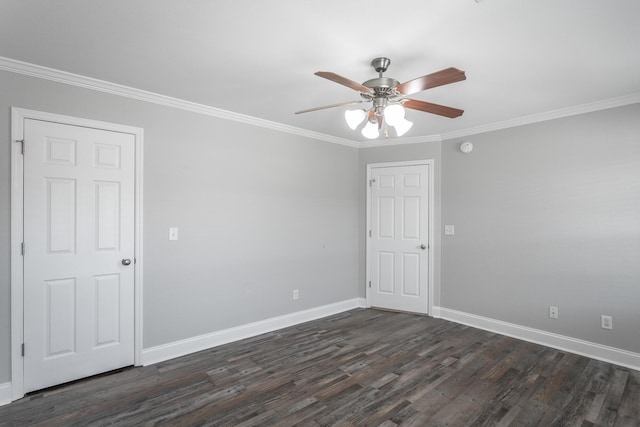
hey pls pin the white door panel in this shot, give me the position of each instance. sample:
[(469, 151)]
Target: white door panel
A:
[(78, 226), (398, 244)]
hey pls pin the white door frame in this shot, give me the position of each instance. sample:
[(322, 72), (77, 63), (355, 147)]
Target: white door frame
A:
[(18, 116), (430, 256)]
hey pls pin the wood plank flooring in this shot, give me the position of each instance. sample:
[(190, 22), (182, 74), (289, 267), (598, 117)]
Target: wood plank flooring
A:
[(359, 368)]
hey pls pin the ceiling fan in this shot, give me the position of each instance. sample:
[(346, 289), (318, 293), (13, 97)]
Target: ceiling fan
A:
[(388, 98)]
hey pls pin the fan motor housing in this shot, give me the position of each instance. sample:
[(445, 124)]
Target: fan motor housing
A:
[(381, 82), (382, 86)]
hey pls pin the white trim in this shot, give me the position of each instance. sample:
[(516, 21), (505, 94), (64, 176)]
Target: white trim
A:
[(46, 73), (18, 116), (431, 239), (435, 312), (17, 274), (549, 115), (5, 393), (593, 350), (175, 349), (384, 142)]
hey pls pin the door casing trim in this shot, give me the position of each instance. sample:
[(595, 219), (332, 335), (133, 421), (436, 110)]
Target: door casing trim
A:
[(431, 222), (18, 116)]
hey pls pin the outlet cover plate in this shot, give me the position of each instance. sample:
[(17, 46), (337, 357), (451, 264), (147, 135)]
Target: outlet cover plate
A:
[(606, 322), (173, 233)]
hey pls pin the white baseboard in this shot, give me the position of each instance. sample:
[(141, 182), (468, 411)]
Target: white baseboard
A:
[(5, 393), (191, 345), (605, 353)]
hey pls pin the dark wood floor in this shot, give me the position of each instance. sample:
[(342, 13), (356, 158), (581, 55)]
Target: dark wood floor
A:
[(360, 368)]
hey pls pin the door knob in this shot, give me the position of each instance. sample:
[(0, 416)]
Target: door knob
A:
[(126, 261), (423, 247)]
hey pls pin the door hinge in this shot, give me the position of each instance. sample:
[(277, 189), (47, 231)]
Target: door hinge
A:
[(22, 350), (371, 181), (22, 250), (369, 233), (21, 141), (369, 283)]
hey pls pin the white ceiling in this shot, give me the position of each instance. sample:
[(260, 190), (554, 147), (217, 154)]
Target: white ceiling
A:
[(257, 57)]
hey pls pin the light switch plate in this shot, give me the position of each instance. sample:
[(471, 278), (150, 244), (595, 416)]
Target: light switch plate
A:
[(449, 230), (173, 233)]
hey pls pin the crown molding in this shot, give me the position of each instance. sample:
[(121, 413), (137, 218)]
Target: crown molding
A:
[(72, 79), (38, 71), (549, 115), (383, 142)]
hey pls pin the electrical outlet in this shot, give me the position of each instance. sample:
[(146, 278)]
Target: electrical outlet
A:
[(553, 312), (606, 322), (296, 294)]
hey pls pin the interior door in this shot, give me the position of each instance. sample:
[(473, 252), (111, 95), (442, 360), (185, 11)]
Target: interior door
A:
[(399, 238), (78, 258)]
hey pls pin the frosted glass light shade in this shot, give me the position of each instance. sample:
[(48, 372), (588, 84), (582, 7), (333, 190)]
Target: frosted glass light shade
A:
[(402, 126), (354, 117), (393, 114), (370, 131)]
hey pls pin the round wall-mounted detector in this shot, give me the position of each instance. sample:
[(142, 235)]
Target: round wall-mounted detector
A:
[(466, 147)]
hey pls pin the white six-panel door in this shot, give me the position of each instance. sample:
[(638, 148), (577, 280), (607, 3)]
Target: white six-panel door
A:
[(78, 230), (399, 238)]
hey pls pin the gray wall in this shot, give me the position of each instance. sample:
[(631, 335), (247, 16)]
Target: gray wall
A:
[(259, 212), (400, 153), (545, 214), (548, 214)]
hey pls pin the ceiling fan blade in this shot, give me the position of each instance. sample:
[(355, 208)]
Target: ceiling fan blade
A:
[(428, 107), (439, 78), (344, 81), (308, 110)]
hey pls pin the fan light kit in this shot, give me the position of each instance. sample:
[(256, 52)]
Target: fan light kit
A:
[(388, 101)]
